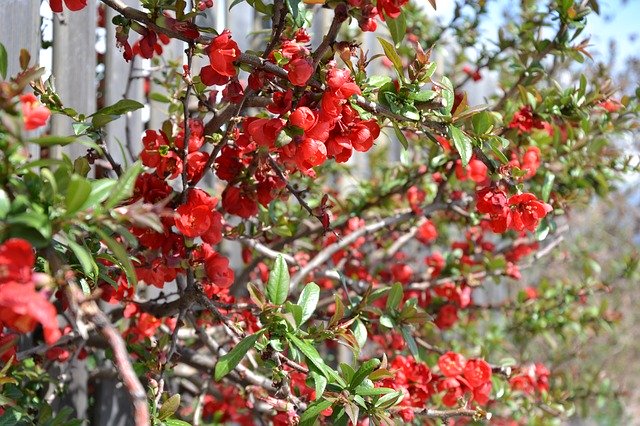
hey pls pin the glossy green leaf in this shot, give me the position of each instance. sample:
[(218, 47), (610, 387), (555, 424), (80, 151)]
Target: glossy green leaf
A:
[(169, 407), (310, 415), (78, 192), (124, 188), (319, 383), (309, 300), (278, 284), (395, 296), (112, 112), (229, 361), (365, 369), (48, 141), (462, 143), (397, 27), (391, 53), (88, 264), (121, 254), (401, 137)]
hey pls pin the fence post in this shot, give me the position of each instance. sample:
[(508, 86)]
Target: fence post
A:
[(74, 68), (123, 134)]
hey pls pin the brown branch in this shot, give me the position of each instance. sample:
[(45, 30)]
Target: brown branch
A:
[(340, 15), (88, 309)]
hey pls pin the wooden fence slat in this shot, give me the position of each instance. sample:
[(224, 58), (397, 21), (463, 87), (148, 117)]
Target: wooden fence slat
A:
[(74, 68), (20, 23), (126, 130)]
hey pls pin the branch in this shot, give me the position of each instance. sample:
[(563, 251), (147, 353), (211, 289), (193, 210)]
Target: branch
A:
[(449, 414), (89, 310)]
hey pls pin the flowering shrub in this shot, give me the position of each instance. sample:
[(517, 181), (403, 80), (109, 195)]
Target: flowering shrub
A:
[(392, 269)]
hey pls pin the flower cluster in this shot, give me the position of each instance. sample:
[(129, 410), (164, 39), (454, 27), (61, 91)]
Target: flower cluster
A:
[(530, 379), (222, 52), (22, 306), (518, 212), (414, 379), (463, 376)]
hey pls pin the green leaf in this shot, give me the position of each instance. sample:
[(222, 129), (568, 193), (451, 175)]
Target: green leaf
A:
[(47, 141), (363, 372), (296, 312), (4, 61), (448, 95), (308, 418), (422, 96), (319, 383), (391, 53), (397, 27), (5, 204), (411, 342), (495, 143), (312, 355), (235, 2), (360, 332), (80, 128), (401, 137), (229, 361), (309, 300), (169, 407), (87, 262), (159, 97), (549, 178), (121, 254), (482, 122), (278, 284), (124, 188), (100, 190), (112, 112), (77, 193), (369, 391), (294, 8), (395, 296), (176, 422), (462, 143)]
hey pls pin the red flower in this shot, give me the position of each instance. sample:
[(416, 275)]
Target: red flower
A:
[(310, 153), (217, 267), (527, 211), (16, 261), (451, 364), (477, 372), (610, 105), (447, 316), (281, 102), (300, 71), (493, 202), (73, 5), (196, 217), (263, 130), (476, 170), (525, 121), (427, 232), (34, 114), (22, 307), (237, 202), (303, 118), (391, 8), (223, 52), (531, 160)]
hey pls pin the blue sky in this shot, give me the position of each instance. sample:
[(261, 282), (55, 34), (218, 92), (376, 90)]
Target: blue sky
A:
[(618, 20)]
